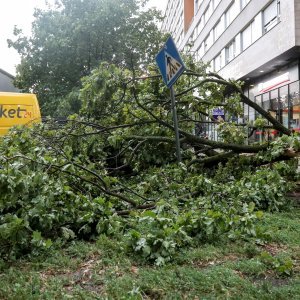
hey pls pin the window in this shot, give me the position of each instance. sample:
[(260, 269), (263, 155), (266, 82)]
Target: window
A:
[(218, 29), (244, 3), (180, 37), (191, 38), (208, 12), (231, 13), (246, 37), (230, 51), (197, 5), (252, 32), (196, 55), (178, 23), (201, 50), (216, 3), (200, 25), (257, 27), (211, 66), (271, 15), (208, 41), (218, 62)]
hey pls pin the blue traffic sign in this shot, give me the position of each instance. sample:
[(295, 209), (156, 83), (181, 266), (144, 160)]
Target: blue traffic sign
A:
[(218, 113), (170, 63)]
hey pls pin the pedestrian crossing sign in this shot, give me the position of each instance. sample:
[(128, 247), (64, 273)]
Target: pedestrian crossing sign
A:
[(170, 63)]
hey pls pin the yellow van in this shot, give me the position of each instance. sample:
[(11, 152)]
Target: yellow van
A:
[(18, 109)]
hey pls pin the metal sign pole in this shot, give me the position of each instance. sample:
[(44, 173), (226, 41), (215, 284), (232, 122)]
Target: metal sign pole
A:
[(175, 120), (171, 67)]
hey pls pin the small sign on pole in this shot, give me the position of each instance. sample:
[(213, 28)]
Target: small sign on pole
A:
[(171, 67)]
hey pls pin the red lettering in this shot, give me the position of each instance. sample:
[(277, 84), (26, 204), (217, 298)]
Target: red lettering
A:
[(27, 115)]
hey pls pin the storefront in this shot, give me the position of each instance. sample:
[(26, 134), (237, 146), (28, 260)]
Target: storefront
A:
[(278, 93)]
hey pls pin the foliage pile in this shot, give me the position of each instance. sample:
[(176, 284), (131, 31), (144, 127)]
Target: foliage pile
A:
[(56, 187), (112, 169)]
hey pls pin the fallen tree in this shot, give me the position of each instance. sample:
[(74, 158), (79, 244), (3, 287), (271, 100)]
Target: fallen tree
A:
[(117, 159), (140, 109)]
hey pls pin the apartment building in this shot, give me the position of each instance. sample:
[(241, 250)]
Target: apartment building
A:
[(6, 82), (256, 41)]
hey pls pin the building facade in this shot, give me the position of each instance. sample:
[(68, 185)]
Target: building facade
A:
[(256, 41), (6, 82)]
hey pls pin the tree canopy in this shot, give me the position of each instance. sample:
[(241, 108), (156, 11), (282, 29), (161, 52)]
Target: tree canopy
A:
[(72, 37)]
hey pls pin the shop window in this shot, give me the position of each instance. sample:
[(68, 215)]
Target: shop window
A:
[(271, 15)]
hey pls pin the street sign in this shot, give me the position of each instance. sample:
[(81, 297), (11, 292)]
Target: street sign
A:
[(218, 113), (170, 63), (171, 67)]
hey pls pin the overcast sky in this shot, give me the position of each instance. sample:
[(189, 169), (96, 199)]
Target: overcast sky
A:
[(20, 13)]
